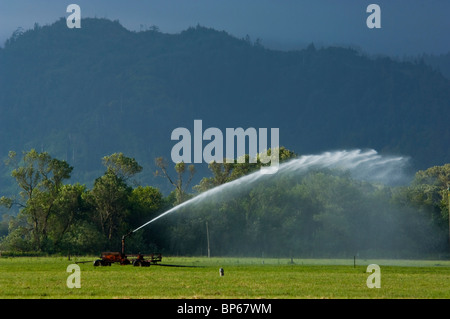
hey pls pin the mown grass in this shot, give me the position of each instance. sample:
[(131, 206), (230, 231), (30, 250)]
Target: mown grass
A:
[(250, 278)]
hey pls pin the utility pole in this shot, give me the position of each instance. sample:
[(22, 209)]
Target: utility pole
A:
[(207, 238)]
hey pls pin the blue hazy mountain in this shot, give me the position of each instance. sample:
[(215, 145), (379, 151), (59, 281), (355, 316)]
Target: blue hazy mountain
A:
[(81, 94)]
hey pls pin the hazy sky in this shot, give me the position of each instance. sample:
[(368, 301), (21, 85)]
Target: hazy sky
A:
[(407, 26)]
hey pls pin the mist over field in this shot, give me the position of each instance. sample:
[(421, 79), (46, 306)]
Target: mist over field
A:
[(323, 205)]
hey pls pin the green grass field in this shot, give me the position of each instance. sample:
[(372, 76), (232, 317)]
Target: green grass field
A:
[(249, 278)]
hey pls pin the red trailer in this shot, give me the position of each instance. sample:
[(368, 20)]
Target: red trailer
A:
[(108, 258)]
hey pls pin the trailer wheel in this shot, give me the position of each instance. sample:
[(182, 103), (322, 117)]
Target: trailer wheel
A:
[(137, 263), (97, 262)]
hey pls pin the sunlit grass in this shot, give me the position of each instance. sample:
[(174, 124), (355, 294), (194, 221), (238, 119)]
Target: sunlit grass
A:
[(45, 277)]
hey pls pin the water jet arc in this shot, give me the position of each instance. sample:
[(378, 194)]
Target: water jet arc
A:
[(365, 165)]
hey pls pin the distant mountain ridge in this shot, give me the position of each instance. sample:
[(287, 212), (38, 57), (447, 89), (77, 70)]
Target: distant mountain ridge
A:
[(81, 94)]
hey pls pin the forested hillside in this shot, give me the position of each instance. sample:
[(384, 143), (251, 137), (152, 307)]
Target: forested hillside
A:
[(86, 117), (440, 62), (81, 94)]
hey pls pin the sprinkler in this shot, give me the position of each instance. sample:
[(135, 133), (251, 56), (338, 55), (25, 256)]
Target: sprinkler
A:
[(108, 258)]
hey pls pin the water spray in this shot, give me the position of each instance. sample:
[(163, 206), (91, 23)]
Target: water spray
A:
[(366, 165)]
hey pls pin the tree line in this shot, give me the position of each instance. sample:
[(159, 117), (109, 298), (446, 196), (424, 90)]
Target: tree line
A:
[(55, 216), (321, 213)]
